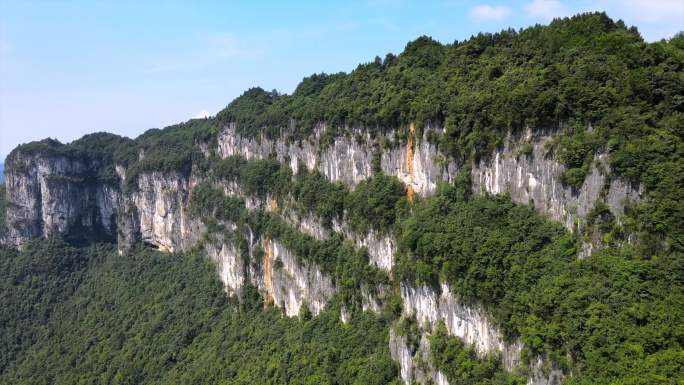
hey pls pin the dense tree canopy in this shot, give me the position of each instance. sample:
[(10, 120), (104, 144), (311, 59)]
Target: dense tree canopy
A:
[(89, 316)]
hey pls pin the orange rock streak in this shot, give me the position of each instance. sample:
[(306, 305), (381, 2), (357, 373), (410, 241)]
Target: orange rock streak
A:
[(410, 148), (268, 270)]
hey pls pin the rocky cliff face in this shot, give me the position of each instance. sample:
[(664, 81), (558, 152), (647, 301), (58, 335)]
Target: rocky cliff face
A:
[(415, 364), (162, 220), (58, 195), (286, 281), (535, 178), (51, 195), (349, 159), (291, 283), (471, 324), (381, 247)]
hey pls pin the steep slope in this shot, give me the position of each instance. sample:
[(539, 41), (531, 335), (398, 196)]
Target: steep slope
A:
[(369, 191)]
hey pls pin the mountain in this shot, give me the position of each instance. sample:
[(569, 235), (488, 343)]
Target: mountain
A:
[(502, 210)]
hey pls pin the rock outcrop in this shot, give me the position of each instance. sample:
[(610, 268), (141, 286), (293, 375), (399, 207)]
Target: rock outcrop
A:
[(285, 280), (161, 202), (349, 158), (291, 283), (414, 364), (57, 195), (381, 247), (535, 178), (471, 324)]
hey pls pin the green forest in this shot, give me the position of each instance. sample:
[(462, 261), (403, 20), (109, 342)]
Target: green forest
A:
[(87, 315)]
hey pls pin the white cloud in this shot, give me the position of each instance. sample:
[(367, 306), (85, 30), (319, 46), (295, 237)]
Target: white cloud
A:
[(202, 114), (546, 9), (656, 19), (486, 12)]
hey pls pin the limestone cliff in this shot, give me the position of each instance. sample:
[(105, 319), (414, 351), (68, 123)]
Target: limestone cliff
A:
[(349, 158), (58, 195), (535, 178)]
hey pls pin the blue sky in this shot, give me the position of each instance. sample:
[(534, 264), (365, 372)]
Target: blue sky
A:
[(68, 68)]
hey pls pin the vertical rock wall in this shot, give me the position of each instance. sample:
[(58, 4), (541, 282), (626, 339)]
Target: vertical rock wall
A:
[(414, 365), (535, 178), (349, 158), (57, 195), (161, 202)]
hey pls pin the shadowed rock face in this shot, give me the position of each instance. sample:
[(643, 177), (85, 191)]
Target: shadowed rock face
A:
[(57, 195)]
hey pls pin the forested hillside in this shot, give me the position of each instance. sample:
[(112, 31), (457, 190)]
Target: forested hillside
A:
[(251, 233), (89, 316)]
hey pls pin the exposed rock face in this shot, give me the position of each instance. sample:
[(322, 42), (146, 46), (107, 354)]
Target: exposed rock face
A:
[(533, 178), (536, 179), (415, 365), (470, 324), (229, 263), (161, 202), (541, 376), (57, 195), (380, 250), (291, 283), (49, 196), (285, 280), (381, 247), (62, 196), (348, 159)]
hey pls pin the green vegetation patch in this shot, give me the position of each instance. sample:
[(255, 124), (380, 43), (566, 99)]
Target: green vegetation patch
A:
[(611, 318), (461, 365), (90, 316)]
